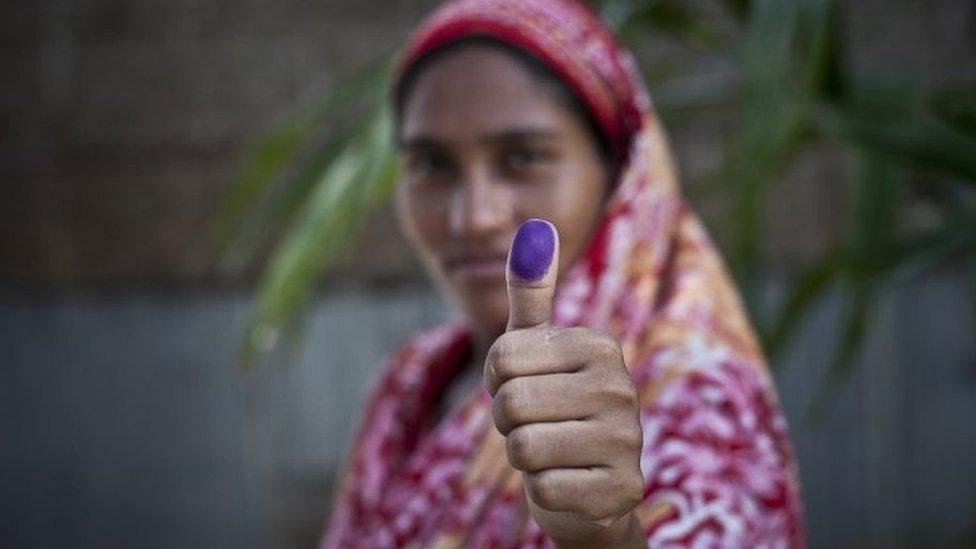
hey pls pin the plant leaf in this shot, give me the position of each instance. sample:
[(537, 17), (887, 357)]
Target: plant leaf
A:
[(957, 106), (809, 287), (268, 160), (256, 229), (924, 143), (358, 179)]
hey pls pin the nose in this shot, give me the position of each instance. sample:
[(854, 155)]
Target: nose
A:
[(480, 205)]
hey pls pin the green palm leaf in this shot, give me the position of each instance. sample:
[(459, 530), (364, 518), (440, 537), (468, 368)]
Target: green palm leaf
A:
[(357, 179), (249, 212)]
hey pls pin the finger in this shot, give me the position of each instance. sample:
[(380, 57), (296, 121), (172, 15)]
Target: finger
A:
[(533, 262), (547, 350), (534, 351), (561, 397), (595, 492), (531, 399), (537, 446)]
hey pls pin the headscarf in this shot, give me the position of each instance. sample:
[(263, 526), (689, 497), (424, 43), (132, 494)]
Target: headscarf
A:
[(716, 458)]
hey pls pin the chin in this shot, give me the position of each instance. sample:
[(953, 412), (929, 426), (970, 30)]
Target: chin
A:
[(483, 305), (487, 310)]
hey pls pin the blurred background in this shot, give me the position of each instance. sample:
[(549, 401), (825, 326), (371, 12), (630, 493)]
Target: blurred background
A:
[(186, 332)]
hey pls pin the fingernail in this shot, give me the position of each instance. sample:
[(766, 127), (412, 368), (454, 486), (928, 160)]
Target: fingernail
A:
[(532, 249)]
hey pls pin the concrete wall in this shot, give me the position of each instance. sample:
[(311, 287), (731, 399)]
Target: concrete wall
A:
[(128, 425)]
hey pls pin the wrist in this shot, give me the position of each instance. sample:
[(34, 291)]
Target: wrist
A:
[(624, 532)]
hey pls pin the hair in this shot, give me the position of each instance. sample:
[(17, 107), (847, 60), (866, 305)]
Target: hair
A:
[(528, 61)]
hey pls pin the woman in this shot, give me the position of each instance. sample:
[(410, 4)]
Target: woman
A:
[(604, 388)]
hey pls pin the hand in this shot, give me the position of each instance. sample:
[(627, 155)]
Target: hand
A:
[(567, 407)]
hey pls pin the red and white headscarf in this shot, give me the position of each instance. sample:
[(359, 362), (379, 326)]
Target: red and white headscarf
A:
[(718, 467)]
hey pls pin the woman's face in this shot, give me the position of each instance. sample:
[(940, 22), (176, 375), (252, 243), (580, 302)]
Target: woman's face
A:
[(484, 145)]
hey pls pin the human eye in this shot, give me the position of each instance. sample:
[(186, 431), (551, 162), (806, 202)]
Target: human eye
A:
[(525, 158), (428, 165)]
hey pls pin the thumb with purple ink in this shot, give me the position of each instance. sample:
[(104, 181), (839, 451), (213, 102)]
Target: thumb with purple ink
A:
[(567, 407), (533, 264)]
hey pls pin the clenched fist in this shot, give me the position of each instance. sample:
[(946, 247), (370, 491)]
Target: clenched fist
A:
[(567, 407)]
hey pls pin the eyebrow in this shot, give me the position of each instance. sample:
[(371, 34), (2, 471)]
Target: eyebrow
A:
[(514, 134)]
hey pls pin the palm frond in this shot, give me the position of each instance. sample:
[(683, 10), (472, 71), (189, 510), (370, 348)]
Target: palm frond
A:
[(783, 43), (805, 291), (874, 200), (957, 106), (357, 179), (928, 144), (248, 213)]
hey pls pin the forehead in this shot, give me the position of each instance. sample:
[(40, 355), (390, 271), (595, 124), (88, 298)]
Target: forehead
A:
[(478, 90)]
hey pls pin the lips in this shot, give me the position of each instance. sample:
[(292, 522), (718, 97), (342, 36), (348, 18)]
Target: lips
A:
[(477, 267)]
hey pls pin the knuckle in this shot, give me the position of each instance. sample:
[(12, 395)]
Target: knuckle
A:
[(638, 437), (634, 491), (629, 391), (499, 418), (631, 438), (497, 355), (598, 511), (571, 334), (623, 391), (617, 354), (544, 490), (633, 397), (627, 494), (499, 361), (607, 347), (505, 408), (519, 445), (548, 334), (509, 400)]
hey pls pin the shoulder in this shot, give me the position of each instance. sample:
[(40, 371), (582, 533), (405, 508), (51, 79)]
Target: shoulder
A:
[(716, 448), (422, 359)]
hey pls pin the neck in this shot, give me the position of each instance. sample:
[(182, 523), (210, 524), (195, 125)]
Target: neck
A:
[(469, 375), (482, 339)]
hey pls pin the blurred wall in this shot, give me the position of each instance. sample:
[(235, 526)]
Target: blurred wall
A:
[(125, 421), (130, 427), (124, 121)]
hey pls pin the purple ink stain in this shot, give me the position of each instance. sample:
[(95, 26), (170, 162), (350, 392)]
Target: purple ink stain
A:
[(532, 249)]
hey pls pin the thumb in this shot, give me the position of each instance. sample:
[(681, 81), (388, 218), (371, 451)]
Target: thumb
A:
[(533, 262)]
